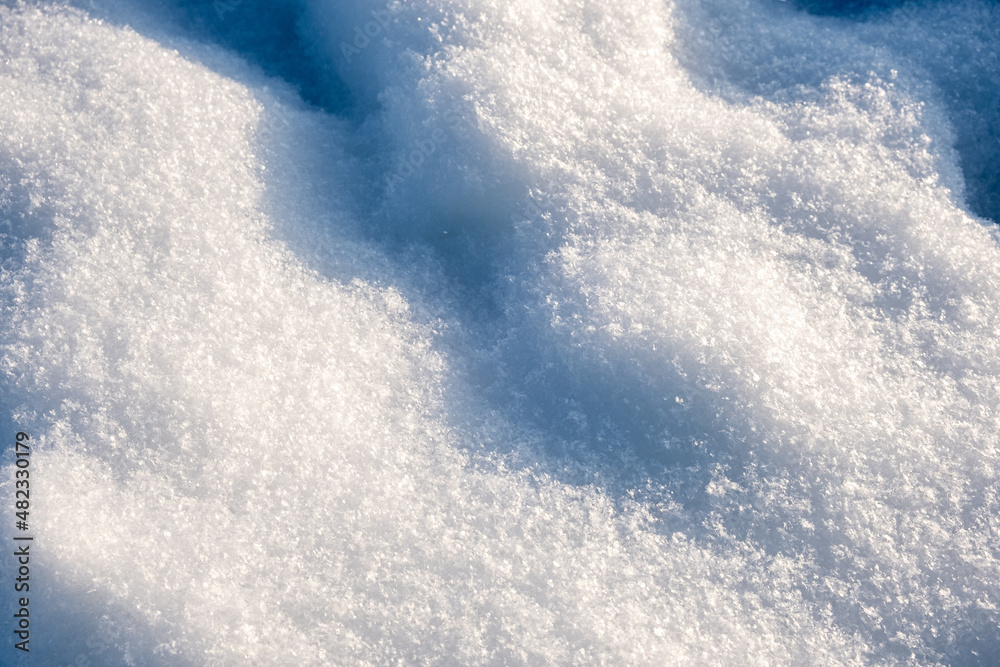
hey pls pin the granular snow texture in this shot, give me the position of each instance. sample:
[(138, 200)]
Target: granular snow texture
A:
[(503, 332)]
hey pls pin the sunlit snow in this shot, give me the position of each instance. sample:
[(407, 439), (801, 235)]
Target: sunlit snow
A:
[(503, 332)]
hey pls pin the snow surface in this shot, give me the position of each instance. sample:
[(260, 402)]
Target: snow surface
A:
[(510, 332)]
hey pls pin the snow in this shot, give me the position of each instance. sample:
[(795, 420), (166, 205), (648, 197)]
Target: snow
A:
[(520, 333)]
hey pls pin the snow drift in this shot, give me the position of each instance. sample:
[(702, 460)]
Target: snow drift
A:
[(474, 332)]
